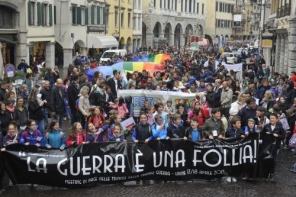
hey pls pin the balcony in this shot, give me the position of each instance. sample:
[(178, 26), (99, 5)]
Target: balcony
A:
[(284, 11)]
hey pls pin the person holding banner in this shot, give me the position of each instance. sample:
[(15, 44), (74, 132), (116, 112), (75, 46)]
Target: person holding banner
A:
[(32, 136), (76, 135), (54, 137), (213, 126), (159, 129), (193, 132), (175, 129), (142, 131), (273, 130)]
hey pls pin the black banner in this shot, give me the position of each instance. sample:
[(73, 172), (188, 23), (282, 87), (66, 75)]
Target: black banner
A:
[(110, 162)]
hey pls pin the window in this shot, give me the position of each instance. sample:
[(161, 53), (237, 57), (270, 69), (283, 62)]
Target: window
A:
[(74, 14), (134, 22), (160, 4), (122, 18), (129, 20), (202, 8), (102, 14), (45, 16), (217, 6), (190, 8), (82, 16), (165, 4), (182, 7), (169, 4), (154, 3), (194, 8), (186, 8), (32, 13), (55, 14), (176, 4), (220, 7), (197, 8), (116, 17), (92, 15), (6, 18)]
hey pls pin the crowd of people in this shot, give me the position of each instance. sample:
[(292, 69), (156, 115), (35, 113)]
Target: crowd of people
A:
[(225, 107)]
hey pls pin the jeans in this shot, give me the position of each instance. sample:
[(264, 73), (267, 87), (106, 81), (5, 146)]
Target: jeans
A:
[(60, 119), (41, 125)]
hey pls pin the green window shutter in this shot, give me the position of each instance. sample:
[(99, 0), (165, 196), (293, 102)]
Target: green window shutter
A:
[(104, 15), (98, 14), (29, 14), (39, 13), (50, 15), (42, 17), (92, 14), (55, 15), (73, 15), (79, 15), (86, 16)]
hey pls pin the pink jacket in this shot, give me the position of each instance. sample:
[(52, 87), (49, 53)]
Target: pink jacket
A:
[(122, 110)]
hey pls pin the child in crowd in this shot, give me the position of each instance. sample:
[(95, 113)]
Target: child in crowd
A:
[(149, 114), (142, 132), (32, 136), (197, 113), (118, 134), (92, 133), (54, 137), (170, 108), (76, 135), (115, 120), (12, 136), (122, 108), (159, 111), (96, 117), (159, 129), (251, 127), (193, 133), (175, 129), (235, 128)]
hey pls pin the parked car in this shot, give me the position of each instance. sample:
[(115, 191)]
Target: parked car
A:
[(230, 57)]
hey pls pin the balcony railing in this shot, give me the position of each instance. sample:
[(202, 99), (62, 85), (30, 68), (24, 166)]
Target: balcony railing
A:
[(284, 10)]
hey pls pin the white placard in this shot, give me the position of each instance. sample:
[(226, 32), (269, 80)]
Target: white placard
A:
[(128, 123)]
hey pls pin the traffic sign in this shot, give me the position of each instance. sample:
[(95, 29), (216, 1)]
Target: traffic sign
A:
[(9, 70)]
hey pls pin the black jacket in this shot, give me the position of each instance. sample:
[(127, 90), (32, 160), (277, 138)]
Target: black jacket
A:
[(175, 131), (213, 98), (278, 130), (47, 94), (35, 110), (4, 121), (97, 99), (246, 113), (73, 91), (112, 84), (59, 105), (143, 132)]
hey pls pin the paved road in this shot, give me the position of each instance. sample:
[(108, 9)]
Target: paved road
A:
[(284, 186)]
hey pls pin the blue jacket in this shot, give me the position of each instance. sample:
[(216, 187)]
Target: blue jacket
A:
[(33, 138), (91, 138), (162, 134), (55, 139), (231, 132)]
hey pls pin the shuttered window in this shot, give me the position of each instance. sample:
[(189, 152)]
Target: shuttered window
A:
[(79, 15), (86, 16), (50, 15)]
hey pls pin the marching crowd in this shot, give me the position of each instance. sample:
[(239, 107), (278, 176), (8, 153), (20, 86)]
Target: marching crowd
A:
[(225, 106)]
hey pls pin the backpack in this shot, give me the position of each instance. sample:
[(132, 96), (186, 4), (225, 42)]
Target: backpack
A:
[(77, 104), (26, 134)]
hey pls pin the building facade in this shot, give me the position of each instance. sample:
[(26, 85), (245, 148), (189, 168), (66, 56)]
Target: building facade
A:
[(282, 24), (172, 22), (120, 22), (137, 24), (219, 20), (27, 31)]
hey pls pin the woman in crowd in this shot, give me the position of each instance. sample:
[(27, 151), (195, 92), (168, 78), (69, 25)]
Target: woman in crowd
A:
[(237, 105), (36, 110), (83, 104), (21, 114)]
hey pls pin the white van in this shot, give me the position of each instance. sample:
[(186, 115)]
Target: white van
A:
[(107, 55)]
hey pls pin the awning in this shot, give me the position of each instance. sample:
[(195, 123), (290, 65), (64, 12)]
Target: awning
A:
[(96, 41)]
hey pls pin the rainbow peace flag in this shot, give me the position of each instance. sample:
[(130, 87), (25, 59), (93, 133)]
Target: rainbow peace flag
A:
[(159, 58), (124, 67)]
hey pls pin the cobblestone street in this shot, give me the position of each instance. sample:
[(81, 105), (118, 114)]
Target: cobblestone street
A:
[(285, 186)]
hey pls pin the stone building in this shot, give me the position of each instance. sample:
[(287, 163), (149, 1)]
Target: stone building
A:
[(172, 22)]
